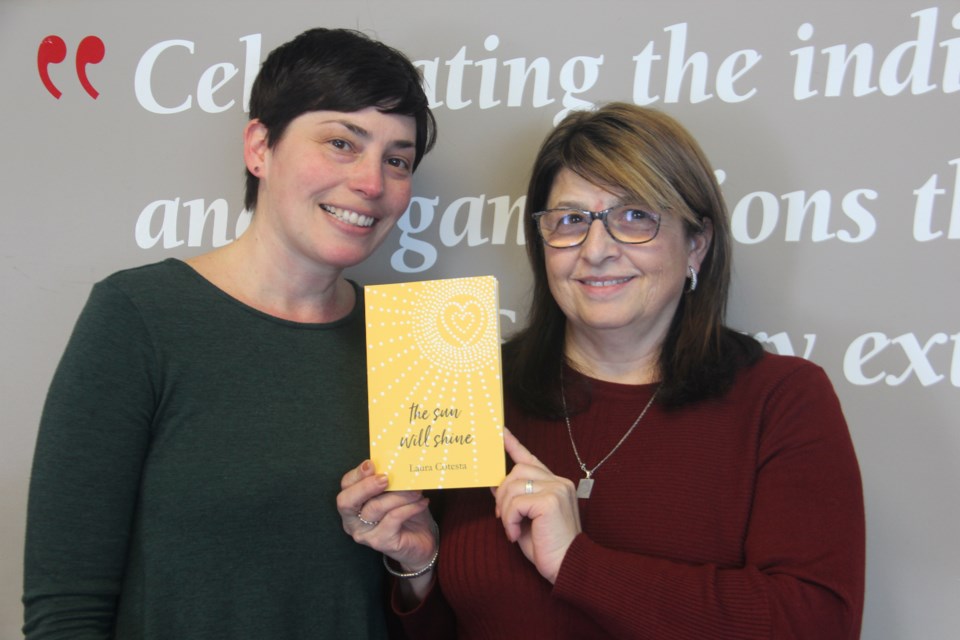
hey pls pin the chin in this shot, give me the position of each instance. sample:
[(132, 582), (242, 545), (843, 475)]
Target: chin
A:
[(341, 257)]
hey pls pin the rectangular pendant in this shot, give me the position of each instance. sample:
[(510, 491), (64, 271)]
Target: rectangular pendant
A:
[(584, 487)]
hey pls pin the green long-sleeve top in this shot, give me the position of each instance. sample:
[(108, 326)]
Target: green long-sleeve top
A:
[(186, 469)]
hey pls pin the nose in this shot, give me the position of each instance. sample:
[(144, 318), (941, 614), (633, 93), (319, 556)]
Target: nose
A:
[(599, 245), (366, 177)]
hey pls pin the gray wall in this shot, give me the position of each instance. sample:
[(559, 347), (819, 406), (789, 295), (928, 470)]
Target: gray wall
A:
[(844, 189)]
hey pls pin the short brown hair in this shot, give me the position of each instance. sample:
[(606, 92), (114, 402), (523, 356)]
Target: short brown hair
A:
[(336, 70)]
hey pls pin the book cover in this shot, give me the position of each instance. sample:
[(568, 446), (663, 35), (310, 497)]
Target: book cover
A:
[(433, 383)]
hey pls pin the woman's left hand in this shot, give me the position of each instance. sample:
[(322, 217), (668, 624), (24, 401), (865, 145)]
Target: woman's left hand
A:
[(396, 523), (538, 509)]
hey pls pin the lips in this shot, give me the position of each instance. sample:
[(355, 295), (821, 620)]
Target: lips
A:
[(349, 217), (605, 283)]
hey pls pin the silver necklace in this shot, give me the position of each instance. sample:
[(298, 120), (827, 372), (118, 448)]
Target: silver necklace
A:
[(585, 486)]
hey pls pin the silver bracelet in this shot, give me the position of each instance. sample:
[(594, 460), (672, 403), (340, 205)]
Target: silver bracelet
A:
[(418, 572)]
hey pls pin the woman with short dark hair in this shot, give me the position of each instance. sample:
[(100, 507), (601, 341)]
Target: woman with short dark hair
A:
[(199, 421)]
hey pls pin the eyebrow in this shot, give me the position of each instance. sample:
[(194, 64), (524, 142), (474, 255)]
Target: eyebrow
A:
[(574, 204), (357, 130)]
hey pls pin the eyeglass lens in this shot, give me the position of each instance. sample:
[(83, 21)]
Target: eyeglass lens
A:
[(569, 227)]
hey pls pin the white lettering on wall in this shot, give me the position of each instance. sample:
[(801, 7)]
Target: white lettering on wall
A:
[(674, 75), (461, 220), (783, 345), (213, 79), (924, 213), (577, 75), (908, 352), (160, 223), (801, 206), (870, 72), (449, 235), (678, 63), (588, 70), (143, 78), (425, 254)]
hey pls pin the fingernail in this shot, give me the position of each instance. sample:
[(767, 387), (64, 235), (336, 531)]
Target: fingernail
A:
[(365, 467)]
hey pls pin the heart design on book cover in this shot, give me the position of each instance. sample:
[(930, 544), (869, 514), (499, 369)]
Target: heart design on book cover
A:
[(462, 322)]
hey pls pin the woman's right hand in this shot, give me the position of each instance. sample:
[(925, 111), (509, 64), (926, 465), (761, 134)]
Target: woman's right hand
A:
[(398, 524)]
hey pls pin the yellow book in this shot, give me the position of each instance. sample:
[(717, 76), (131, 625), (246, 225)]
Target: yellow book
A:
[(433, 383)]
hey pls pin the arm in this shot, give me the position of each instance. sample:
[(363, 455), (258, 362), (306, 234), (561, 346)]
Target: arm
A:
[(398, 524), (93, 437), (430, 619), (427, 616)]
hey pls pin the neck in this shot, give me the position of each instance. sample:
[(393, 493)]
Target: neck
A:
[(626, 361), (272, 282)]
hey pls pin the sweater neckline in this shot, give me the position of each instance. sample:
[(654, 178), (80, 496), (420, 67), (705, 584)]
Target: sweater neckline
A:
[(609, 389), (193, 274)]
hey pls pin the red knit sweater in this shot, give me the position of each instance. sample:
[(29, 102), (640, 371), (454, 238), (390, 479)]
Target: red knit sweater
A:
[(740, 517)]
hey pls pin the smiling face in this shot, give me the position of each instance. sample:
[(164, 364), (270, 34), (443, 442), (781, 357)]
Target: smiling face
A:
[(334, 185), (608, 289)]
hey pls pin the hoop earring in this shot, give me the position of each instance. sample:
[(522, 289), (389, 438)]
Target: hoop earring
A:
[(693, 279)]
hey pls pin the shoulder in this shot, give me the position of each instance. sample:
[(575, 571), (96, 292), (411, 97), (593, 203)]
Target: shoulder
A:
[(152, 276), (780, 383), (774, 370), (154, 288), (119, 291), (787, 386), (145, 296)]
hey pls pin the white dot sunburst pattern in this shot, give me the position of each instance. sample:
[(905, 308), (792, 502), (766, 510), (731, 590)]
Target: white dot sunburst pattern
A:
[(433, 357)]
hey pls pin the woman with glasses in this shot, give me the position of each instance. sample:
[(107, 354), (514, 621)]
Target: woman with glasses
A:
[(669, 478)]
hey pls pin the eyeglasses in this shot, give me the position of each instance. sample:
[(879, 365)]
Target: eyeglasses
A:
[(628, 224)]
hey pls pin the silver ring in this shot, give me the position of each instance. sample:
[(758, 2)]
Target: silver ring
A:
[(528, 488), (369, 523)]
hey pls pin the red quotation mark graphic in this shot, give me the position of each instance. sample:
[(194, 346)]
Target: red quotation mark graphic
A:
[(53, 50)]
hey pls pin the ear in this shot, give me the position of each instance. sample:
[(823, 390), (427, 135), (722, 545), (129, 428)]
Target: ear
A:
[(700, 243), (255, 147)]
